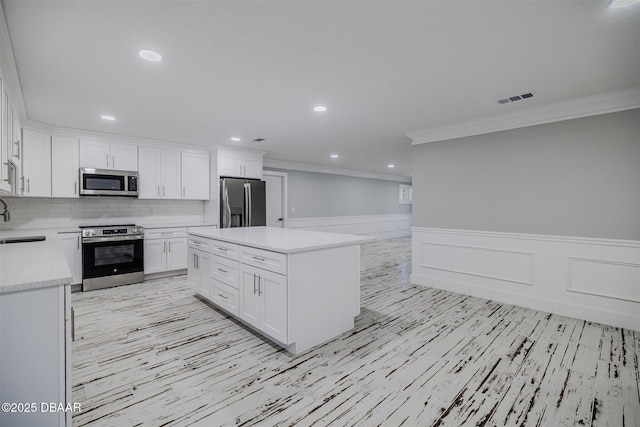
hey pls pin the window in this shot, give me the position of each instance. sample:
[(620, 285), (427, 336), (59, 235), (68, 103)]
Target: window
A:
[(405, 194)]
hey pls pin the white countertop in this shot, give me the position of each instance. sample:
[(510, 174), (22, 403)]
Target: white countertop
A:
[(283, 240), (33, 265), (175, 224)]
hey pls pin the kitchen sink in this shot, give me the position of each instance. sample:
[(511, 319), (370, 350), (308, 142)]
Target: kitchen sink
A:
[(22, 239)]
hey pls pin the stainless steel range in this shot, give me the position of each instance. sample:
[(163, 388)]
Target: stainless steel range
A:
[(112, 255)]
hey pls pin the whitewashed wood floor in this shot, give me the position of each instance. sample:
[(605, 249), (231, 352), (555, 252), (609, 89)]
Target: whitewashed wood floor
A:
[(152, 354)]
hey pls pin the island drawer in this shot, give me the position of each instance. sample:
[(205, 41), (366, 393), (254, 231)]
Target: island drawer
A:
[(225, 296), (200, 243), (272, 261), (224, 249), (224, 270)]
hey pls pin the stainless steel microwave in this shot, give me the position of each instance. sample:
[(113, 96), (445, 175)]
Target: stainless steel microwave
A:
[(107, 182)]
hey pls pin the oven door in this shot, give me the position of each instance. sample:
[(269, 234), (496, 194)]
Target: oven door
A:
[(108, 261)]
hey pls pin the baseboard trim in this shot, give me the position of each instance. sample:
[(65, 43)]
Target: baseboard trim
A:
[(589, 314)]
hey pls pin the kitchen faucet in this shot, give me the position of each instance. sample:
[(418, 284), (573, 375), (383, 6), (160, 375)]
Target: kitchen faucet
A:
[(5, 213)]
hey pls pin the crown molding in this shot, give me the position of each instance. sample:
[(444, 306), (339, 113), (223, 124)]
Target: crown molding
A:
[(9, 70), (582, 107), (305, 167), (112, 137)]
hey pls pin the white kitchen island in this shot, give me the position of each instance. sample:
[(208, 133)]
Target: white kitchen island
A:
[(298, 288)]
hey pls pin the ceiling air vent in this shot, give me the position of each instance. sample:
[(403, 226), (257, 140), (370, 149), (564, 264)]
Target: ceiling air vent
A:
[(515, 98)]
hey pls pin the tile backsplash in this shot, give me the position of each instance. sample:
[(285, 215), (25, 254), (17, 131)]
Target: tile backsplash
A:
[(60, 213)]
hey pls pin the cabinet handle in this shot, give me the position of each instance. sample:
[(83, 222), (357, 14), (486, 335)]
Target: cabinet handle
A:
[(169, 246), (223, 296), (254, 283), (22, 186), (78, 242), (259, 290), (257, 258), (240, 170), (222, 249), (28, 185), (75, 188), (18, 144), (158, 191), (224, 271), (197, 261), (107, 160), (184, 192), (113, 162)]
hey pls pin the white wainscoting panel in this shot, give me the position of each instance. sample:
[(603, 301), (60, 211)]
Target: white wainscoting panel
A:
[(379, 226), (509, 266), (605, 278), (591, 279)]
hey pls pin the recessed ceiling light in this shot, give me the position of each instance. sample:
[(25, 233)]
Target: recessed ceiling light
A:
[(334, 156), (319, 108), (150, 55), (391, 165), (235, 139), (622, 3), (107, 117)]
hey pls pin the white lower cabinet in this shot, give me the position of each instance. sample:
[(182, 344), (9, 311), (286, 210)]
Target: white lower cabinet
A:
[(256, 295), (35, 356), (72, 246), (165, 250), (263, 300), (176, 253)]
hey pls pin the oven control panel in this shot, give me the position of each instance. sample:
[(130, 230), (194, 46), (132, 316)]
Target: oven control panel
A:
[(114, 231)]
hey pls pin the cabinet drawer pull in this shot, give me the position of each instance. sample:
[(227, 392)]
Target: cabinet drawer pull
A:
[(223, 249), (257, 258), (223, 296), (224, 271)]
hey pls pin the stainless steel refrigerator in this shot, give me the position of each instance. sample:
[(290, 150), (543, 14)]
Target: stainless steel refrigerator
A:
[(242, 202)]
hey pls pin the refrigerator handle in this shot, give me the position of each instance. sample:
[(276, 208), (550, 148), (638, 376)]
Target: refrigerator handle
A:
[(249, 206), (245, 210), (226, 213)]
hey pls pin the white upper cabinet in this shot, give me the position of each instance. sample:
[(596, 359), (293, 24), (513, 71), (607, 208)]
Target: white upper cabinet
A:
[(195, 176), (36, 164), (108, 155), (149, 170), (159, 173), (65, 167), (124, 157), (242, 164)]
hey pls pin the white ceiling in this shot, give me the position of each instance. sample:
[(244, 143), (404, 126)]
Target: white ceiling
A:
[(256, 69)]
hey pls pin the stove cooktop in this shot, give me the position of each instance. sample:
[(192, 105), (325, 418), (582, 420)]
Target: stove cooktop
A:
[(107, 226)]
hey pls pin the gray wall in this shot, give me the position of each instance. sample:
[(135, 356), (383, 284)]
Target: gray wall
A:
[(318, 194), (578, 177)]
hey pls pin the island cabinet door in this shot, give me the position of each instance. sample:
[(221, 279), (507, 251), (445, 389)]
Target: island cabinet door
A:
[(249, 300), (263, 301), (193, 275), (272, 289)]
